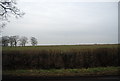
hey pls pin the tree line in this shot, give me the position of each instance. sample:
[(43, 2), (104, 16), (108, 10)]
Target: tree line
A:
[(16, 40)]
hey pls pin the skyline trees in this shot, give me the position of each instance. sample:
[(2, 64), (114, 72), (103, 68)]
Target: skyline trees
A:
[(33, 41), (23, 41), (5, 40), (17, 41), (13, 40)]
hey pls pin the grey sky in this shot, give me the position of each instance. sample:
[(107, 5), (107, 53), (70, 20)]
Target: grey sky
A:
[(66, 22)]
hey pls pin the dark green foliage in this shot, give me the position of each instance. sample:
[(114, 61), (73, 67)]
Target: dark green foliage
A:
[(57, 58)]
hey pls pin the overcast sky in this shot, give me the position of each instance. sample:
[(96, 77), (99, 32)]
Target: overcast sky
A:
[(66, 21)]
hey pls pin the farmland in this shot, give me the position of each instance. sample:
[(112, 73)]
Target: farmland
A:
[(60, 57)]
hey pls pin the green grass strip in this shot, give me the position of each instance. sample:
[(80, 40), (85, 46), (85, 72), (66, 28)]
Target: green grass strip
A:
[(65, 72)]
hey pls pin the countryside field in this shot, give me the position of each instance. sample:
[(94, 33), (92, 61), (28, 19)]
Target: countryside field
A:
[(71, 59)]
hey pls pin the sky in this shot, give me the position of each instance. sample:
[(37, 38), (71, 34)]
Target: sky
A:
[(67, 21)]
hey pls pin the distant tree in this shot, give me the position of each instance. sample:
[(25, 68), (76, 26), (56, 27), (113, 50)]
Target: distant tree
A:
[(0, 41), (13, 40), (23, 41), (5, 40), (7, 9), (16, 39), (33, 41)]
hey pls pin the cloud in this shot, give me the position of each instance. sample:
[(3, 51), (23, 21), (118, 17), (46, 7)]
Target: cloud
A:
[(66, 21), (70, 0)]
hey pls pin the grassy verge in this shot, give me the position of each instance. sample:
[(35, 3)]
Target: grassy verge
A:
[(65, 72)]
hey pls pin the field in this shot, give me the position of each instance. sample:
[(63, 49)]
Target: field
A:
[(60, 57), (60, 47), (62, 60)]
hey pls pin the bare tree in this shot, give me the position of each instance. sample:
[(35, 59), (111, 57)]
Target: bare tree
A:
[(23, 41), (5, 40), (13, 40), (16, 39), (33, 41), (0, 41), (7, 9)]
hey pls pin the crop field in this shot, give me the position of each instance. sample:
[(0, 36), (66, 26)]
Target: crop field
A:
[(61, 47), (60, 57)]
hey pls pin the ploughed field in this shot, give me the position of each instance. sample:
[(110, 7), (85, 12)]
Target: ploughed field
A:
[(60, 57)]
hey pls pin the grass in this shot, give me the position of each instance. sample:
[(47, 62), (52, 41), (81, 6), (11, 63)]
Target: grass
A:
[(60, 47), (64, 72)]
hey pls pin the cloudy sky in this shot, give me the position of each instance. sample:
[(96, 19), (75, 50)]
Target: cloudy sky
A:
[(67, 21)]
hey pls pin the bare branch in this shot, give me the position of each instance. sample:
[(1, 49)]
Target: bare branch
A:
[(8, 8)]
